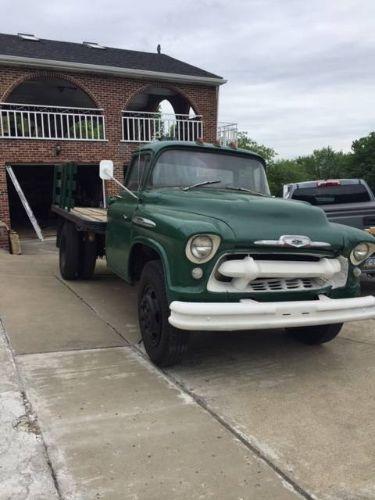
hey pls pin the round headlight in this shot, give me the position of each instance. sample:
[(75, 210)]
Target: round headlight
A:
[(202, 247), (360, 253)]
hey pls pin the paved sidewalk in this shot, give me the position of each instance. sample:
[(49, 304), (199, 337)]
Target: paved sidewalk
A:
[(24, 470), (112, 425), (246, 415)]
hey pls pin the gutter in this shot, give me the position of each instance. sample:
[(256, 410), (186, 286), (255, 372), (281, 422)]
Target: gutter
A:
[(51, 64)]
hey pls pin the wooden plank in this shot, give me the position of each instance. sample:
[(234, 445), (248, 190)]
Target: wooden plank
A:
[(91, 213), (82, 223)]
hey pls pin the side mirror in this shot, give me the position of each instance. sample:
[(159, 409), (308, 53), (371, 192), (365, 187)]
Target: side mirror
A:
[(106, 170), (106, 174)]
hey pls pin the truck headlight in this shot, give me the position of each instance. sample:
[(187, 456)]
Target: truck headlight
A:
[(360, 253), (202, 247)]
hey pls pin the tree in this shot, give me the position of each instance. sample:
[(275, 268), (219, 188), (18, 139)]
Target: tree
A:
[(283, 172), (245, 142), (279, 172), (362, 164), (324, 163)]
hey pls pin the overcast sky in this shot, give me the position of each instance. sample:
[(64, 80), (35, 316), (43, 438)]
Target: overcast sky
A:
[(300, 73)]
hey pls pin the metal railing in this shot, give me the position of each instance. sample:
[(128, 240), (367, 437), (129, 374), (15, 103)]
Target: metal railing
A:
[(140, 126), (26, 121), (227, 133)]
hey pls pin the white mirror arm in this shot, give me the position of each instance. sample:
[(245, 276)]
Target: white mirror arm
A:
[(125, 188)]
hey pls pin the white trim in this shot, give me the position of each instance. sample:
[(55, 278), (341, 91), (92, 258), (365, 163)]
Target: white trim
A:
[(22, 105), (243, 272), (152, 113), (252, 315), (44, 123), (27, 138), (143, 127), (51, 64)]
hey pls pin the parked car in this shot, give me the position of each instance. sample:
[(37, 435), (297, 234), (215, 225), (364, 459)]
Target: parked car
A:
[(196, 227), (345, 201)]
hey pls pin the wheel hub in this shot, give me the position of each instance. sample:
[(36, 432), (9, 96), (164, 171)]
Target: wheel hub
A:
[(150, 316)]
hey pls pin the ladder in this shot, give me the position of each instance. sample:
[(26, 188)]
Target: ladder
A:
[(25, 203)]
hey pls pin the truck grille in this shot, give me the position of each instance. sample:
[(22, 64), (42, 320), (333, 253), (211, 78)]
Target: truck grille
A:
[(279, 285), (239, 273)]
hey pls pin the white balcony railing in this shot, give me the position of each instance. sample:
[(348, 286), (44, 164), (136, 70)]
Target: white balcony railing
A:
[(25, 121), (140, 126), (227, 133)]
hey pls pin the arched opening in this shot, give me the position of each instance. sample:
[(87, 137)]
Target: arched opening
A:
[(50, 108), (55, 109), (51, 92), (160, 113)]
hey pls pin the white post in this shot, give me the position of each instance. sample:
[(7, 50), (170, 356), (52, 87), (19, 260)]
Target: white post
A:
[(104, 195)]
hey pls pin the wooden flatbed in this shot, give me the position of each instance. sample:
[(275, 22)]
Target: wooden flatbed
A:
[(85, 218)]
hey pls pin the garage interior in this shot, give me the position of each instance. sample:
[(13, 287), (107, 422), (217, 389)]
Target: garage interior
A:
[(36, 181)]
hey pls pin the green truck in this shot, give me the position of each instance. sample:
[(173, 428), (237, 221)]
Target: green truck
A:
[(195, 227)]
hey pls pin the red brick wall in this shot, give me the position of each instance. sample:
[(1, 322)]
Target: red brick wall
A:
[(112, 95)]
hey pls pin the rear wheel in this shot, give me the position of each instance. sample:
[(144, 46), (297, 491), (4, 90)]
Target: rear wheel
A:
[(164, 344), (313, 335), (88, 255), (69, 252)]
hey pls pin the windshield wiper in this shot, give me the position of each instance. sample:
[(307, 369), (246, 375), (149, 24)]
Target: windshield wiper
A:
[(250, 191), (204, 183)]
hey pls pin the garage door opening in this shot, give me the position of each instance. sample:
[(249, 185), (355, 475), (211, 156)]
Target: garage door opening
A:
[(36, 182)]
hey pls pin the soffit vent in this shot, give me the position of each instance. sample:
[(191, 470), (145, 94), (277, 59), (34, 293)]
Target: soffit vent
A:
[(93, 45), (28, 36)]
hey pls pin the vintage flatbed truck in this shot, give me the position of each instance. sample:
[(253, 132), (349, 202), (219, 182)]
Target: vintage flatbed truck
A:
[(196, 227)]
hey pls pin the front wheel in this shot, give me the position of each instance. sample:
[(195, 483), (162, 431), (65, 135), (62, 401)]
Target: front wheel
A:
[(164, 344), (314, 335)]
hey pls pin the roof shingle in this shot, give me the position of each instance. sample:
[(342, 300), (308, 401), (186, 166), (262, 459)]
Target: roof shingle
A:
[(13, 45)]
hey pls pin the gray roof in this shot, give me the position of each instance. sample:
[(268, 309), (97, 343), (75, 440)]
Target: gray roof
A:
[(15, 50)]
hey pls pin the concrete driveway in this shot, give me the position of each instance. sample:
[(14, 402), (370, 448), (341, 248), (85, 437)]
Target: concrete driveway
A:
[(84, 414)]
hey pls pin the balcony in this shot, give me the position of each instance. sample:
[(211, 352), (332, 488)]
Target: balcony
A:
[(227, 133), (29, 121), (142, 126)]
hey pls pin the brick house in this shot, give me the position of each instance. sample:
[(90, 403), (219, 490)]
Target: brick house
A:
[(63, 101)]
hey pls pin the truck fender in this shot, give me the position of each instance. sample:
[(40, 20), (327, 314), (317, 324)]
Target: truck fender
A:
[(156, 247)]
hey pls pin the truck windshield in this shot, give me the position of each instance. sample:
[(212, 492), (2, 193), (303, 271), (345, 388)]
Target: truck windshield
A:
[(182, 168), (350, 193)]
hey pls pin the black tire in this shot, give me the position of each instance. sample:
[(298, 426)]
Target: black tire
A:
[(314, 335), (69, 252), (164, 344), (88, 254)]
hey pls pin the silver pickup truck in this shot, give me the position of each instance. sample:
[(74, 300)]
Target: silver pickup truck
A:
[(345, 201)]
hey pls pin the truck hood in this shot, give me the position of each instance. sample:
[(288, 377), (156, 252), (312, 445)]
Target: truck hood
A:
[(253, 218)]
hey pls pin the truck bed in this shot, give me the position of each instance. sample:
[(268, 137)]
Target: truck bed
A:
[(359, 215), (85, 218)]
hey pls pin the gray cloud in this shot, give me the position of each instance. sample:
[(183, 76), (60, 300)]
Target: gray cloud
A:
[(301, 74)]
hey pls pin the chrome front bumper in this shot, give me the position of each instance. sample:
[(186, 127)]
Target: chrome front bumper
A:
[(252, 315)]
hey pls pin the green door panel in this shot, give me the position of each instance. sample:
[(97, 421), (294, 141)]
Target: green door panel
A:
[(119, 233)]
